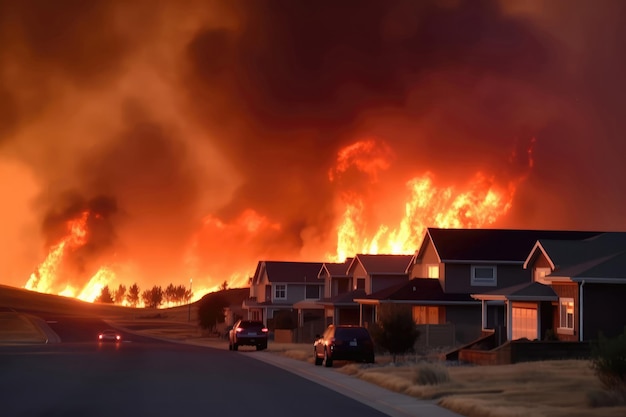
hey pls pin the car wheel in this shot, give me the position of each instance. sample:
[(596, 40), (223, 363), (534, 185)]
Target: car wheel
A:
[(318, 361), (235, 346), (328, 361), (230, 345), (369, 359), (261, 347)]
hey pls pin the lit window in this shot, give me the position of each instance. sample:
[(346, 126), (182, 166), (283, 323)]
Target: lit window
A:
[(433, 271), (484, 275), (566, 313), (280, 291), (540, 275)]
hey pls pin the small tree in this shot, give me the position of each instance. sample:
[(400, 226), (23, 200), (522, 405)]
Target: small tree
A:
[(133, 295), (153, 297), (211, 310), (609, 361), (170, 294), (105, 296), (224, 286), (120, 294), (395, 330)]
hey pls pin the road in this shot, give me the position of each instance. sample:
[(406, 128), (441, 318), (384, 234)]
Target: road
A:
[(147, 377)]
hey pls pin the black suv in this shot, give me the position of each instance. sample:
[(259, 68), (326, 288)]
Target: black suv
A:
[(343, 342), (249, 333)]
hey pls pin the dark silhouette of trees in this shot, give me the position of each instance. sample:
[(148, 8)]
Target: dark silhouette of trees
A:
[(120, 294), (105, 296), (224, 286), (211, 310), (133, 295), (395, 329), (153, 297)]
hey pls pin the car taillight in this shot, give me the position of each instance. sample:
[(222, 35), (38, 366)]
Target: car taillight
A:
[(118, 337), (264, 330), (99, 336)]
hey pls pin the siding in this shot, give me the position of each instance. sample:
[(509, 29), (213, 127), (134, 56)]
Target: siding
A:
[(566, 290)]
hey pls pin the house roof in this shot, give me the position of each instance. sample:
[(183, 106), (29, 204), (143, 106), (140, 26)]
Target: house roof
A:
[(382, 264), (337, 269), (418, 291), (529, 291), (290, 272), (345, 299), (491, 245)]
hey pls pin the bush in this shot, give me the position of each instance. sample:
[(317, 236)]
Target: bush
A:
[(431, 374), (608, 356), (395, 330), (211, 310)]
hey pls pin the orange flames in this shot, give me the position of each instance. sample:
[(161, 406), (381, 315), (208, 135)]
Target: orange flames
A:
[(46, 277)]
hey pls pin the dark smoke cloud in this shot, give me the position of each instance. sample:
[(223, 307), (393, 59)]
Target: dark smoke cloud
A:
[(208, 121)]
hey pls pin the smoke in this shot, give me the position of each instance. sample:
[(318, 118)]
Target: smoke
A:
[(204, 133)]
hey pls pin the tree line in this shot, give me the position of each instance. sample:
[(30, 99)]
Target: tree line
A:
[(152, 298)]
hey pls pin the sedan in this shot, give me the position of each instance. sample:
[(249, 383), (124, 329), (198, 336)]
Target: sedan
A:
[(343, 343), (109, 336), (248, 332)]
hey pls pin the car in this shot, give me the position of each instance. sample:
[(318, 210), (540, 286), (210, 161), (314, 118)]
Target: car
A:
[(352, 343), (248, 333), (109, 336)]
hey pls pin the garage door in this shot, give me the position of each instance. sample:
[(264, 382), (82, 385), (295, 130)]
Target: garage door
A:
[(524, 323)]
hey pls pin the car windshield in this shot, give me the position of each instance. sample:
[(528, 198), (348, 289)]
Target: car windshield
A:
[(345, 333), (251, 325)]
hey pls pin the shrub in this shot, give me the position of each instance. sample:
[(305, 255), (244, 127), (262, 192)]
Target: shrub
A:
[(431, 374), (395, 330), (211, 310), (608, 356)]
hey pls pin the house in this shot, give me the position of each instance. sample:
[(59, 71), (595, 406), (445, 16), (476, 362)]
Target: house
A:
[(356, 278), (477, 261), (277, 286), (584, 286)]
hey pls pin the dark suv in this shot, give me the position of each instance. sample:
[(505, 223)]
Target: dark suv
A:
[(249, 333), (343, 343)]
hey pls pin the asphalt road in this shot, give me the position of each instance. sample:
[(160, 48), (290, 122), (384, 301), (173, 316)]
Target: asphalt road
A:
[(147, 377)]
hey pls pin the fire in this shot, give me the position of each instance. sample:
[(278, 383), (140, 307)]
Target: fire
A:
[(478, 203), (47, 275)]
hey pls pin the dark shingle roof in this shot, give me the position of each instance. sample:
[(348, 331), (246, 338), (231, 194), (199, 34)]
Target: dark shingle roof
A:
[(534, 291), (383, 264), (343, 299), (278, 271), (493, 245), (419, 289), (338, 269)]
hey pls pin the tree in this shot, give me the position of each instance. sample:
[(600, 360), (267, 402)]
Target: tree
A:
[(105, 296), (395, 329), (133, 295), (224, 286), (170, 294), (120, 294), (153, 297), (211, 310)]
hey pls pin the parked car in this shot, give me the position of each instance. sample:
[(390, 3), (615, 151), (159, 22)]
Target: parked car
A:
[(248, 333), (343, 343), (109, 336)]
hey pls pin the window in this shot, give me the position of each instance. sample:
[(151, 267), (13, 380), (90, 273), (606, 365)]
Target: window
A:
[(484, 275), (426, 314), (360, 284), (540, 275), (312, 292), (566, 313), (433, 271), (280, 291)]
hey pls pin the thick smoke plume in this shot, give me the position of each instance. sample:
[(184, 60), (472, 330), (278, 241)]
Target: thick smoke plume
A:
[(207, 135)]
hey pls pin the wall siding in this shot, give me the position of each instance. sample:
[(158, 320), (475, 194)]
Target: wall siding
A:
[(567, 290)]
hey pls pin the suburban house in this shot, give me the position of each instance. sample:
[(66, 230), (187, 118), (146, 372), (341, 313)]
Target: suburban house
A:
[(474, 261), (585, 290), (277, 286), (356, 278)]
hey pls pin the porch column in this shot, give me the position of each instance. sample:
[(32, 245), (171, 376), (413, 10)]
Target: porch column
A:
[(360, 314), (483, 306), (509, 319)]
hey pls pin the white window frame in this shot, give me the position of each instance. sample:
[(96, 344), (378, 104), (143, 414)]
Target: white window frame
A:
[(432, 271), (564, 326), (486, 282), (283, 289)]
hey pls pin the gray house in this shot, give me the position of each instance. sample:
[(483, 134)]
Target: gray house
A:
[(278, 285)]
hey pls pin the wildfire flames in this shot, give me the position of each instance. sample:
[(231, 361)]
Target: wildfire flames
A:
[(479, 202)]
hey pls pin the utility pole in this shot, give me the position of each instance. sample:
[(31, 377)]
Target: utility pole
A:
[(189, 301)]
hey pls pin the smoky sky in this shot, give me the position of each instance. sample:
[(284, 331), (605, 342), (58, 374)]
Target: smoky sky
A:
[(210, 127)]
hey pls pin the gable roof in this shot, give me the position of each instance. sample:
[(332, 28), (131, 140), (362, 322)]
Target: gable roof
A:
[(337, 269), (382, 264), (490, 245), (425, 291), (601, 258), (289, 272)]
